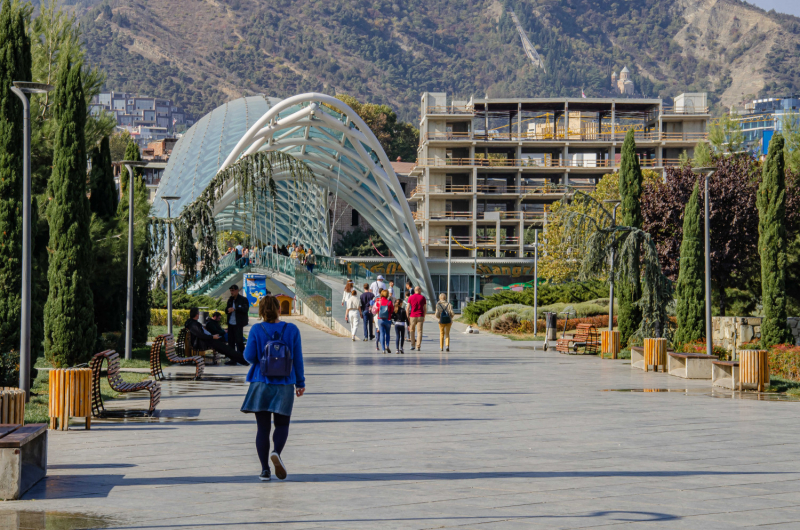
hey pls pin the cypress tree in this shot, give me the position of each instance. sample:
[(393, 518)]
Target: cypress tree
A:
[(103, 200), (771, 202), (15, 65), (131, 153), (630, 191), (691, 279), (69, 311)]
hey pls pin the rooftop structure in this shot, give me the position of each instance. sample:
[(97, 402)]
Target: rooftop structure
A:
[(489, 168), (760, 119)]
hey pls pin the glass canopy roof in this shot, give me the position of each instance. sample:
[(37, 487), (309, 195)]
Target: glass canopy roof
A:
[(346, 158)]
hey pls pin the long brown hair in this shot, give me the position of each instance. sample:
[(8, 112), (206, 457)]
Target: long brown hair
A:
[(269, 309)]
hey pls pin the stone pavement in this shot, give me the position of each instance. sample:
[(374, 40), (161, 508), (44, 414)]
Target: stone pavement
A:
[(492, 435)]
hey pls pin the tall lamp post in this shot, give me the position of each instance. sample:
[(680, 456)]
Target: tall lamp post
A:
[(21, 89), (129, 165), (616, 203), (535, 280), (169, 262), (707, 172)]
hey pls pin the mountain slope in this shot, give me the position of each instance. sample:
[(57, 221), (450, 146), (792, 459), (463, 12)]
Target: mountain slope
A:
[(203, 52)]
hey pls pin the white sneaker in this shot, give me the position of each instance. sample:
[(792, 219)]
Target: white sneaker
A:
[(280, 470)]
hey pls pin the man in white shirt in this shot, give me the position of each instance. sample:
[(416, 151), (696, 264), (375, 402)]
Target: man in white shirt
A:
[(377, 286)]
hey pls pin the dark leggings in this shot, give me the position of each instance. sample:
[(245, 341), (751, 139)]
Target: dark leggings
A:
[(278, 438), (399, 336)]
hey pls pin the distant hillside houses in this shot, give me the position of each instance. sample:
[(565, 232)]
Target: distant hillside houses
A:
[(146, 118)]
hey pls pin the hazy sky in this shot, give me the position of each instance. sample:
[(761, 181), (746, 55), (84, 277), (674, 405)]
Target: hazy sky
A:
[(781, 6)]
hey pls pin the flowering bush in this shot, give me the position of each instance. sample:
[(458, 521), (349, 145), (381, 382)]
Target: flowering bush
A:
[(784, 361), (700, 347)]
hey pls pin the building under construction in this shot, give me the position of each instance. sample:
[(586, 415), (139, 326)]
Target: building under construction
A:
[(489, 168)]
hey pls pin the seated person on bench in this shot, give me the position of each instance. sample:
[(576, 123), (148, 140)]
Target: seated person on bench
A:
[(202, 340), (214, 326)]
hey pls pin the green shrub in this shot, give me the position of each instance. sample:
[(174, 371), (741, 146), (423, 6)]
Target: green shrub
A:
[(565, 293), (158, 317), (183, 300), (9, 369)]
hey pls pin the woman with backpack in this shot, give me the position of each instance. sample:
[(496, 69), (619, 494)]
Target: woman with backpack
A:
[(275, 378), (385, 313), (400, 319), (444, 314)]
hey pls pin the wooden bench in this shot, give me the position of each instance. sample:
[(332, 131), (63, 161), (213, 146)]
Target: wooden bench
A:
[(690, 365), (166, 343), (637, 357), (725, 374), (118, 385), (183, 348), (585, 338), (23, 458)]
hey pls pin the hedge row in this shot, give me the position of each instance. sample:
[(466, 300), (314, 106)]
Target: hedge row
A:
[(566, 293), (158, 317)]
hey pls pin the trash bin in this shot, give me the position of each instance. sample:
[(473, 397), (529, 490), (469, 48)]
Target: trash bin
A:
[(551, 320)]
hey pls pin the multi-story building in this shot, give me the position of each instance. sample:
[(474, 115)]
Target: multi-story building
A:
[(156, 154), (145, 118), (760, 119), (489, 168)]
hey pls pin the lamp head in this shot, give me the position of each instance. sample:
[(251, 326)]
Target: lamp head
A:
[(33, 88), (170, 198)]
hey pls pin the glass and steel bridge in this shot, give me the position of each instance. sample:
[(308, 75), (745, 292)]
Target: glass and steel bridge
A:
[(347, 160)]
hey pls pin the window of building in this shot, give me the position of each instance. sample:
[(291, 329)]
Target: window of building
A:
[(355, 219)]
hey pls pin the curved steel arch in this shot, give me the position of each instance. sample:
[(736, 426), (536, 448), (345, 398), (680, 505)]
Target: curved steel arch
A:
[(345, 157)]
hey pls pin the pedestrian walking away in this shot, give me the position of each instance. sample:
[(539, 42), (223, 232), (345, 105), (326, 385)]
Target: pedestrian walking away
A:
[(353, 312), (417, 307), (348, 289), (275, 354), (409, 289), (374, 308), (366, 314), (444, 314), (385, 313), (377, 286), (237, 310), (400, 319)]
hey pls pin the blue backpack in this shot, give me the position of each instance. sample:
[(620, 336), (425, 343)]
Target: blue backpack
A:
[(276, 358), (383, 312)]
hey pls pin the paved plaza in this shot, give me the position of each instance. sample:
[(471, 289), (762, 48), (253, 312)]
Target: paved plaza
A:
[(492, 435)]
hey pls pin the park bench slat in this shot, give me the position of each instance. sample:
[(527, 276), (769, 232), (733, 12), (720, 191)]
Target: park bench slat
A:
[(21, 435), (585, 337), (6, 428), (691, 355), (726, 363), (166, 343)]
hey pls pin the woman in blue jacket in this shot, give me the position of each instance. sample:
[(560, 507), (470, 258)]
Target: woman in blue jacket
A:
[(269, 396)]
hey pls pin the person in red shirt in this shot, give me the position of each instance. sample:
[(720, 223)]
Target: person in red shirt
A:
[(417, 307), (385, 312)]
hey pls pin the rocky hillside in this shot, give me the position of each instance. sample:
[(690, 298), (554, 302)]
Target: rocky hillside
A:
[(203, 52)]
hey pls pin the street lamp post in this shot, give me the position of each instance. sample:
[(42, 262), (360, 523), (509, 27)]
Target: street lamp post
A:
[(130, 164), (169, 263), (616, 203), (535, 280), (707, 172), (21, 88)]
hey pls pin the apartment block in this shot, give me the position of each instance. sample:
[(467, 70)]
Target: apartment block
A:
[(145, 118), (760, 118), (489, 168)]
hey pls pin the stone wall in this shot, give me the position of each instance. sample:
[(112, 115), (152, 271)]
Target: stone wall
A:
[(744, 329)]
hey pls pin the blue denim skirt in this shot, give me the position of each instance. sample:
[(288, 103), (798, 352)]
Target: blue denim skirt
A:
[(266, 397)]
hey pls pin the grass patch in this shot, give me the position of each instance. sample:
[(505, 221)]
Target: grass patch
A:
[(624, 354), (155, 331), (777, 384), (523, 336)]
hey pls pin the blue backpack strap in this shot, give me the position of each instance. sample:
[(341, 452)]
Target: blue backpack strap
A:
[(283, 330)]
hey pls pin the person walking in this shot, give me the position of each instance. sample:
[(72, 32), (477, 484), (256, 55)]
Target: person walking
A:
[(417, 307), (409, 289), (353, 312), (444, 314), (269, 395), (400, 319), (237, 310), (348, 290), (392, 293), (311, 260), (377, 286), (366, 313), (385, 313)]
